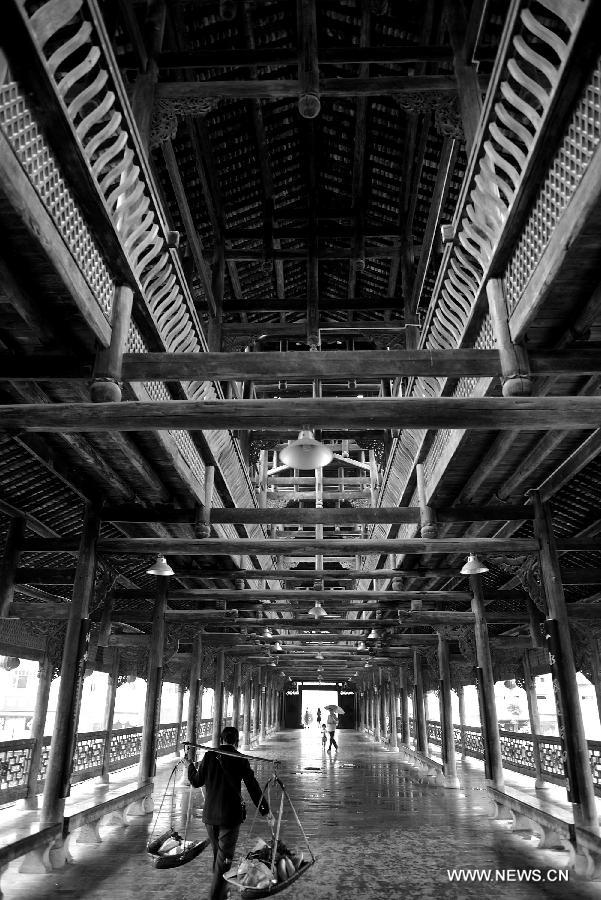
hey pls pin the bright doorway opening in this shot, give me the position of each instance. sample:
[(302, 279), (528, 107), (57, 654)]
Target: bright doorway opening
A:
[(314, 699)]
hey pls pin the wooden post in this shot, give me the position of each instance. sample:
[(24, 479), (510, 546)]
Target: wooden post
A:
[(107, 369), (58, 774), (530, 687), (446, 716), (578, 768), (419, 713), (468, 88), (513, 357), (30, 801), (596, 667), (236, 695), (392, 709), (404, 692), (256, 691), (218, 697), (109, 714), (202, 527), (373, 479), (263, 704), (154, 685), (262, 486), (194, 698), (383, 707), (247, 714), (376, 707), (461, 698), (179, 716), (10, 562), (309, 103), (428, 526), (493, 761)]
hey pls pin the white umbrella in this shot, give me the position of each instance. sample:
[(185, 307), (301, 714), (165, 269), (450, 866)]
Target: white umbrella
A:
[(334, 708)]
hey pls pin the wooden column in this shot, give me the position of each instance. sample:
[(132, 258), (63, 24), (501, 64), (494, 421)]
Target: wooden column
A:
[(596, 667), (468, 88), (194, 696), (106, 386), (263, 704), (427, 516), (461, 698), (179, 716), (109, 713), (30, 801), (58, 774), (256, 691), (419, 712), (202, 527), (578, 769), (247, 714), (376, 707), (309, 103), (404, 692), (10, 562), (493, 762), (236, 695), (513, 357), (218, 696), (446, 716), (530, 687), (392, 710), (262, 486), (154, 685), (383, 707)]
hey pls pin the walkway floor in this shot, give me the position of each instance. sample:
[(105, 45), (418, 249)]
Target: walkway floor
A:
[(377, 835)]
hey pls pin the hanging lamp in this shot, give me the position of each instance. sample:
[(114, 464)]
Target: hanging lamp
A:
[(473, 566), (160, 567), (306, 453), (317, 611)]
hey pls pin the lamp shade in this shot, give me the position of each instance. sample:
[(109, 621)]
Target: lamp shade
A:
[(277, 647), (361, 645), (373, 635), (473, 566), (160, 567), (306, 453), (317, 611)]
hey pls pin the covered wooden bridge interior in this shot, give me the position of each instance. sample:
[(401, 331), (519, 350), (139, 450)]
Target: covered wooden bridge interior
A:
[(224, 223)]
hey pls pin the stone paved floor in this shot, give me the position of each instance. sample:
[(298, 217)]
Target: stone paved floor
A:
[(376, 833)]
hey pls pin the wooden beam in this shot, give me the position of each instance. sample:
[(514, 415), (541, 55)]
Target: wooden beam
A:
[(338, 597), (475, 413), (298, 365), (328, 87), (300, 547), (321, 516), (274, 56)]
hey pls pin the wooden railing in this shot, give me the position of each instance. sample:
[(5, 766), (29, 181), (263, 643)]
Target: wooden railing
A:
[(517, 750)]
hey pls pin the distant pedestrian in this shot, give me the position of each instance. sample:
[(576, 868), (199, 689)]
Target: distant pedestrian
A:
[(331, 725), (307, 718), (318, 716)]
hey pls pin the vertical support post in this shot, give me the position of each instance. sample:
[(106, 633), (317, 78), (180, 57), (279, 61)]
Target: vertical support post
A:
[(179, 716), (236, 695), (404, 692), (446, 710), (383, 706), (108, 365), (154, 685), (596, 667), (194, 694), (419, 713), (218, 697), (263, 704), (58, 775), (109, 714), (470, 99), (376, 707), (30, 801), (214, 331), (513, 357), (373, 479), (247, 714), (581, 792), (10, 561), (256, 690), (461, 698), (428, 525), (534, 719), (488, 712), (263, 460), (392, 705), (202, 526), (309, 103)]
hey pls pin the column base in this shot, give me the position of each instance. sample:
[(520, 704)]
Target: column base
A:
[(28, 802)]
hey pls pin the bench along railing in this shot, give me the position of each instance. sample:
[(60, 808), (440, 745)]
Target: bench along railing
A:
[(527, 82), (517, 750), (83, 81)]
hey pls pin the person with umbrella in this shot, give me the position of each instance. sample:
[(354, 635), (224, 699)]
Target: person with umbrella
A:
[(332, 724)]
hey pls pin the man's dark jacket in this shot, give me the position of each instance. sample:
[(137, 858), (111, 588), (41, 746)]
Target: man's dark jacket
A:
[(222, 778)]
